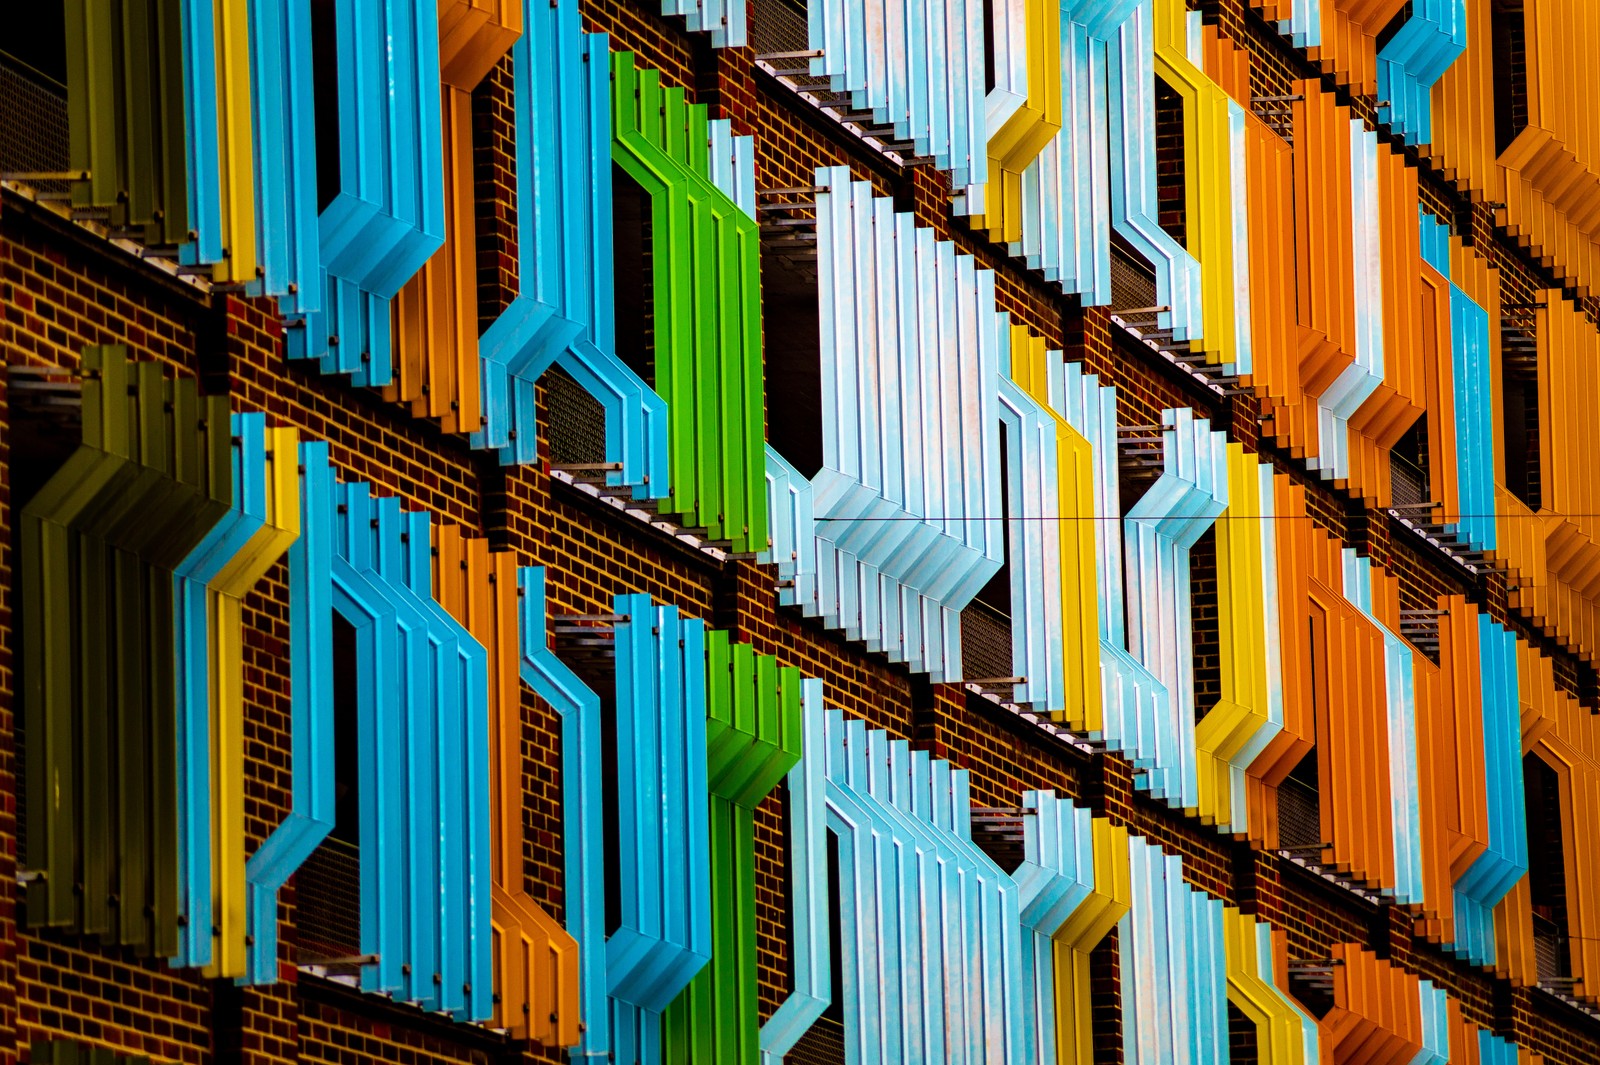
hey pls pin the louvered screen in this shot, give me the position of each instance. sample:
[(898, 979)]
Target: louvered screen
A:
[(1299, 819), (1407, 484), (822, 1045), (1132, 285), (577, 424), (779, 26), (33, 123), (328, 901), (985, 641)]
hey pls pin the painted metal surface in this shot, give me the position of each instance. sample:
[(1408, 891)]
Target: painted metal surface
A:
[(917, 67), (536, 964), (387, 216), (1066, 646), (422, 717), (1505, 859), (219, 138), (582, 826), (1249, 715), (1418, 54), (100, 542), (1174, 1001), (997, 968), (906, 508), (664, 936), (1131, 126), (726, 20), (312, 799), (1023, 111), (1158, 532), (706, 306), (948, 988), (1257, 986), (1377, 1015), (208, 644), (283, 123), (1400, 703), (753, 739), (562, 313), (125, 115)]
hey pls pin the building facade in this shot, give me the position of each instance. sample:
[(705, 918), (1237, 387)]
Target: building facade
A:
[(800, 530)]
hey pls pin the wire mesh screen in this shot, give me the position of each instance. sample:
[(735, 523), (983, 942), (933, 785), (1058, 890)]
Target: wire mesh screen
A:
[(1549, 950), (1408, 485), (328, 901), (1131, 284), (779, 26), (577, 421), (985, 641), (823, 1044), (1299, 818), (33, 122)]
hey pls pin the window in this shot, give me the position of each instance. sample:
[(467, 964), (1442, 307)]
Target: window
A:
[(325, 74), (1408, 467), (328, 884), (986, 622), (1508, 36), (1519, 397), (792, 344), (1205, 623), (1170, 190), (1299, 796), (33, 92), (635, 298), (1547, 875)]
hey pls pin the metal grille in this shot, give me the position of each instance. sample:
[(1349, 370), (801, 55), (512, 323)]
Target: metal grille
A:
[(1131, 284), (823, 1044), (780, 26), (577, 421), (1549, 950), (1408, 485), (985, 641), (1299, 816), (328, 901), (33, 122)]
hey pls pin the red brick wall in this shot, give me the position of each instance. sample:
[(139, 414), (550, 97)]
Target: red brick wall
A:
[(58, 297)]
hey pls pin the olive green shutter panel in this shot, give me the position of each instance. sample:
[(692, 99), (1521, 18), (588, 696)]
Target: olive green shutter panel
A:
[(99, 544)]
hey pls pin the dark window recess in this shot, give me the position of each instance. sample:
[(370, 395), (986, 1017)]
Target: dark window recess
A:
[(33, 107), (988, 46), (792, 351), (835, 1010), (779, 26), (1170, 195), (1408, 467), (325, 85), (1508, 37), (1519, 397), (36, 41), (1105, 1000), (328, 885), (986, 621), (998, 832), (494, 176), (1392, 27), (1299, 796), (635, 296), (1547, 872), (1205, 623), (42, 439), (1244, 1047), (575, 420), (823, 1043), (612, 804)]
